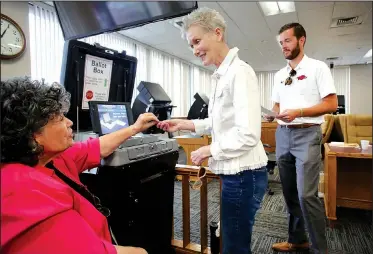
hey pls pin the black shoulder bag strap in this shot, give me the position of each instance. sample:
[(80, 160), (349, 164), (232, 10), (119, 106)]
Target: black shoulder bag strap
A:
[(81, 189)]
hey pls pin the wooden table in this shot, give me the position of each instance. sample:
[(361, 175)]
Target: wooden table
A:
[(348, 179)]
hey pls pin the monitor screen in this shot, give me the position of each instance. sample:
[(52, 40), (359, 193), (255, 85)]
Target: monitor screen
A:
[(112, 118), (108, 117), (79, 19)]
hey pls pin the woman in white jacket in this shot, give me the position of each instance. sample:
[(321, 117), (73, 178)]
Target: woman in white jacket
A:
[(236, 153)]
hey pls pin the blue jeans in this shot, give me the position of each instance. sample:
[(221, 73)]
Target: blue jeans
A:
[(241, 197)]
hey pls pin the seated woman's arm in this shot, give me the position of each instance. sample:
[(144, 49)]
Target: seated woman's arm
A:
[(88, 154), (110, 142)]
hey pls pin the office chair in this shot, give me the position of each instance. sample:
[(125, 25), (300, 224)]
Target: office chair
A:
[(271, 168)]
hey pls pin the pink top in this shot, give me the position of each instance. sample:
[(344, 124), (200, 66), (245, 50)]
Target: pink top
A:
[(41, 214)]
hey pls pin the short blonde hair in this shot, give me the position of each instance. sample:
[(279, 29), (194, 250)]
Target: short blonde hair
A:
[(205, 17)]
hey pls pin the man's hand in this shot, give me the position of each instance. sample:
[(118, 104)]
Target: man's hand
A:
[(200, 155), (269, 118), (289, 115), (144, 122), (171, 125)]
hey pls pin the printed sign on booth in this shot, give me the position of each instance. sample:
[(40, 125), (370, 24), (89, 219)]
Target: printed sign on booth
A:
[(97, 76)]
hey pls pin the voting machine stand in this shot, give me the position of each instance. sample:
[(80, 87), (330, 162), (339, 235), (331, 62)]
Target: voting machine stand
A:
[(136, 182)]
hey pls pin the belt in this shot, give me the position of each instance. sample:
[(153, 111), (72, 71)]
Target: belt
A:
[(299, 126)]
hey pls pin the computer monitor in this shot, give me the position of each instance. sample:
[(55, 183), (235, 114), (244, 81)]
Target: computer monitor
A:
[(108, 117), (199, 108), (341, 100), (79, 19)]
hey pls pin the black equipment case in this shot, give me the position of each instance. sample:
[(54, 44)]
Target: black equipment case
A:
[(139, 194), (140, 197), (122, 81)]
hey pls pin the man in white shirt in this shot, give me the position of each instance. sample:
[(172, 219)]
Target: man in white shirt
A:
[(303, 92), (236, 153)]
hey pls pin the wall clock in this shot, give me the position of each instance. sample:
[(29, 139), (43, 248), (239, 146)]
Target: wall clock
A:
[(13, 40)]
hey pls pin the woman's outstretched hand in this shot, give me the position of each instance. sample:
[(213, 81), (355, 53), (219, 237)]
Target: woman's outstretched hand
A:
[(170, 125)]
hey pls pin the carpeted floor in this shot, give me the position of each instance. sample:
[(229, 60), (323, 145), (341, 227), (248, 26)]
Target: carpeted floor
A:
[(352, 234)]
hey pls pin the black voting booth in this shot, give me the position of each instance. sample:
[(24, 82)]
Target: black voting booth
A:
[(199, 108), (140, 193), (152, 98)]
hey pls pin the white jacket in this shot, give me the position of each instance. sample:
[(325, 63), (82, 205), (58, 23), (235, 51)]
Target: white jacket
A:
[(234, 118)]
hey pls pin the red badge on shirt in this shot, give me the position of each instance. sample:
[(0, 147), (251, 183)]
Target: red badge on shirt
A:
[(301, 77)]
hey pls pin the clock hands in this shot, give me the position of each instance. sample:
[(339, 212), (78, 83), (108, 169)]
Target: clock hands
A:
[(4, 31)]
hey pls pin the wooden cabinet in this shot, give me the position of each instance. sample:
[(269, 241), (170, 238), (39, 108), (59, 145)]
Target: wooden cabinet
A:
[(348, 179), (191, 143), (269, 135)]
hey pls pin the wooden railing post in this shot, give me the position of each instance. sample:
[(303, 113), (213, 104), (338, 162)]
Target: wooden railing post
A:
[(203, 215), (185, 172), (186, 210)]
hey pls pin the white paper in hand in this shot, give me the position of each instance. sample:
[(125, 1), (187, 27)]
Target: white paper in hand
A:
[(268, 112)]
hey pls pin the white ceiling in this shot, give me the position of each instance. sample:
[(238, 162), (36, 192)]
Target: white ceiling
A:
[(255, 34)]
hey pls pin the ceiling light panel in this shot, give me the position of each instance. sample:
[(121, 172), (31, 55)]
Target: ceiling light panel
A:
[(274, 8), (368, 54), (269, 8), (286, 7)]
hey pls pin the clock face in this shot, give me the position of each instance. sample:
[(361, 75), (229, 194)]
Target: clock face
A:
[(12, 38)]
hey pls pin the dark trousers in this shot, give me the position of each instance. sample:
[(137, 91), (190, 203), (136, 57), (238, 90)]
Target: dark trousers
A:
[(298, 153)]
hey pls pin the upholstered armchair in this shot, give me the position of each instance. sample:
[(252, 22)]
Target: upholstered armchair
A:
[(327, 127), (358, 127)]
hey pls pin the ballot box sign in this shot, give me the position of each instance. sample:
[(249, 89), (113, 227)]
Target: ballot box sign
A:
[(97, 76)]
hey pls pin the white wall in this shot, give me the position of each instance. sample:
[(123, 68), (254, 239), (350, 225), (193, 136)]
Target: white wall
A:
[(361, 89), (21, 66)]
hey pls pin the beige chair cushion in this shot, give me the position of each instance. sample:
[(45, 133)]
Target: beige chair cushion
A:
[(358, 127), (326, 127)]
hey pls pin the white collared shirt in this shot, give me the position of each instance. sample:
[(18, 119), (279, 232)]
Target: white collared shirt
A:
[(234, 118), (312, 82)]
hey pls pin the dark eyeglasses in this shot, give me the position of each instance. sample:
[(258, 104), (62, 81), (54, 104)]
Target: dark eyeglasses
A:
[(289, 80), (198, 184)]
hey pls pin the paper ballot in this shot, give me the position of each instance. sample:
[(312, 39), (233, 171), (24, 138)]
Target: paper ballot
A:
[(268, 112)]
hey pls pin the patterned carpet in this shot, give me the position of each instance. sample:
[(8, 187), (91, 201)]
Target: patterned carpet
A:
[(352, 234)]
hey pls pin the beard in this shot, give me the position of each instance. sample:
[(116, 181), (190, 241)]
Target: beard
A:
[(294, 53)]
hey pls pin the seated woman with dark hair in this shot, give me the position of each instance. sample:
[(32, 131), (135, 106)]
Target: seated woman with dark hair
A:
[(40, 212)]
